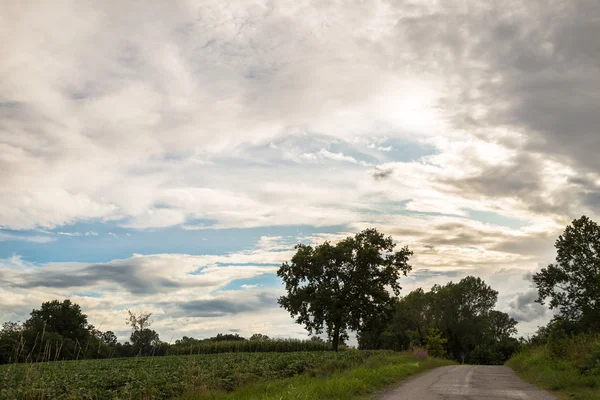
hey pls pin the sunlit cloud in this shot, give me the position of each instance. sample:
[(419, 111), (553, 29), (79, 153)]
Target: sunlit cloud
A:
[(272, 123)]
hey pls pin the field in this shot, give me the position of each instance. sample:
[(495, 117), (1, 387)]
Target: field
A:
[(160, 377)]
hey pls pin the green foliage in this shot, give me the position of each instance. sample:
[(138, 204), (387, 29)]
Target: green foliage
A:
[(565, 354), (208, 346), (341, 287), (161, 377), (486, 355), (64, 318), (568, 364), (436, 343), (227, 337), (145, 341), (259, 337), (461, 311), (501, 325), (109, 338), (333, 380), (572, 284), (56, 331)]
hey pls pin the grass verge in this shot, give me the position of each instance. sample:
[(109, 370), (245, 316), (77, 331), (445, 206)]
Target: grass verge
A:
[(560, 375), (331, 381)]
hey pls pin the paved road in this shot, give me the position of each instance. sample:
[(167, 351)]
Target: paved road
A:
[(467, 382)]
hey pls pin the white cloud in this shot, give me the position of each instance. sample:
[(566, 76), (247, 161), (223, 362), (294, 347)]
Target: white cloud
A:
[(4, 236), (305, 113)]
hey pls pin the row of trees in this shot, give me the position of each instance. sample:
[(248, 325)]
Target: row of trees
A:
[(59, 330), (354, 285), (461, 312)]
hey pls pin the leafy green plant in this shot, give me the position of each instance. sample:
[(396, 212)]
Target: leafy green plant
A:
[(163, 377), (436, 343)]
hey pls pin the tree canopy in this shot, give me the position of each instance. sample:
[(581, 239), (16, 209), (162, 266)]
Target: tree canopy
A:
[(143, 339), (335, 288), (64, 318), (459, 316), (572, 283)]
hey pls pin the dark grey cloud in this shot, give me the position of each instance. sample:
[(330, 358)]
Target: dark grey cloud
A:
[(466, 234), (220, 307), (540, 244), (131, 274), (381, 174), (534, 69), (520, 178), (546, 59), (523, 307)]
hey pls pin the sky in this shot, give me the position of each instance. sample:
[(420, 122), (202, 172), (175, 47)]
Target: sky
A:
[(167, 156)]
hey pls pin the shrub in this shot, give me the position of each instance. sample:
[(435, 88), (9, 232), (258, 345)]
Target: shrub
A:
[(436, 343), (486, 355)]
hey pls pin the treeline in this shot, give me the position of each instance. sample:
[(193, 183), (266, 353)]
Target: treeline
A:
[(238, 344), (461, 314), (60, 331)]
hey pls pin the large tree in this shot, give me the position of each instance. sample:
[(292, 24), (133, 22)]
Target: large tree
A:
[(461, 312), (572, 283), (343, 286), (64, 318)]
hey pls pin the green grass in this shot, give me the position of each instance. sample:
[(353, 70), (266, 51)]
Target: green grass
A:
[(562, 375), (333, 380)]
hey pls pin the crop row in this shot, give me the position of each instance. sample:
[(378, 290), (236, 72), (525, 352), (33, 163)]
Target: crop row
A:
[(158, 377)]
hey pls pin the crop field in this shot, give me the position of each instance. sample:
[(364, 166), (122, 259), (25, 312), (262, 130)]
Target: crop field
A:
[(160, 377)]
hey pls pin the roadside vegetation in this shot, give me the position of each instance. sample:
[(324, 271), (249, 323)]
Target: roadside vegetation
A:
[(334, 380), (567, 365), (564, 356)]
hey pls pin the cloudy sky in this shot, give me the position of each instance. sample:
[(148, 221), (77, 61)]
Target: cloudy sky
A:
[(167, 156)]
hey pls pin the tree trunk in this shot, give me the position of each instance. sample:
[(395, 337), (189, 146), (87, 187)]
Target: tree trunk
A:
[(335, 340)]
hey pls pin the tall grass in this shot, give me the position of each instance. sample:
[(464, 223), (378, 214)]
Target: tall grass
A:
[(568, 365), (332, 380)]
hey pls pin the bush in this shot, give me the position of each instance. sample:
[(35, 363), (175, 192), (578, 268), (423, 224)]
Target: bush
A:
[(486, 355), (436, 343)]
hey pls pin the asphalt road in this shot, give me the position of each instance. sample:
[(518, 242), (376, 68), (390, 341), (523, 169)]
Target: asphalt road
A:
[(466, 382)]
